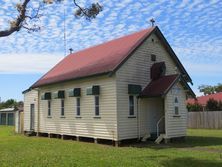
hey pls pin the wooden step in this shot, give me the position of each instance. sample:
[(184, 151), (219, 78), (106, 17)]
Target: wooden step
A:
[(160, 139), (30, 133)]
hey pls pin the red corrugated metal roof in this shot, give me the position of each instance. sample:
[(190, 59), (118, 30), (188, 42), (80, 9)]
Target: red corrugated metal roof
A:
[(203, 99), (160, 86), (95, 60)]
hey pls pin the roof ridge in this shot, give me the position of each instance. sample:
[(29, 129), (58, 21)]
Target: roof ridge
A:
[(112, 52), (112, 40)]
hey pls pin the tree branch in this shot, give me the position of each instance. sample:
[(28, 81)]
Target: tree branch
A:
[(22, 19), (88, 13), (16, 24)]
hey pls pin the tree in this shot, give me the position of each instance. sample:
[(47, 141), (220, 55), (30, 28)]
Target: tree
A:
[(9, 103), (25, 15), (220, 105), (207, 89), (212, 105), (218, 88)]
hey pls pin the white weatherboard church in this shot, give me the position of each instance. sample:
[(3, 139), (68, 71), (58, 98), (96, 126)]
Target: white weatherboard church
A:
[(133, 87)]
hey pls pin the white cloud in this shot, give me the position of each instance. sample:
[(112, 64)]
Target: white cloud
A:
[(27, 63), (192, 27)]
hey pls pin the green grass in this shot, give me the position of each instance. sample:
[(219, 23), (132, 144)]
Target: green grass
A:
[(201, 148)]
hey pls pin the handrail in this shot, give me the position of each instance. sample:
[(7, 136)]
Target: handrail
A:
[(157, 125)]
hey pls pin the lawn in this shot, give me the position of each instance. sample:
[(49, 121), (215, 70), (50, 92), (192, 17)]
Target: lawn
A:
[(201, 148)]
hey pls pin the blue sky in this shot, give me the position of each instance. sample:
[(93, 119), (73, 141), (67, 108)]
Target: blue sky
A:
[(192, 27)]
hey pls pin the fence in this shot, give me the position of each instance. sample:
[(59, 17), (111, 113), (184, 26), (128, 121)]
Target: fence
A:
[(205, 120)]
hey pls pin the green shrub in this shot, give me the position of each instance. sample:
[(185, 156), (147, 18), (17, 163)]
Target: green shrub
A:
[(194, 107), (220, 105), (212, 105)]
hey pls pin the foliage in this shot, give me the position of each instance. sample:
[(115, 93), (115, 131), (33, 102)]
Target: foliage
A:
[(89, 13), (10, 103), (201, 148), (208, 89), (28, 17), (194, 107), (212, 105), (220, 105), (218, 88)]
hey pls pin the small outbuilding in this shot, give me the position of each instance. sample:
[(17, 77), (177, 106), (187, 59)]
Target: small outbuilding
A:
[(7, 116)]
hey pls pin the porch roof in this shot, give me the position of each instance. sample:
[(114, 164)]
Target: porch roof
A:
[(159, 87)]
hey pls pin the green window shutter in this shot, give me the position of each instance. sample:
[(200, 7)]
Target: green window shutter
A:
[(46, 96), (43, 97), (134, 89), (76, 92), (94, 90), (55, 95), (59, 95), (89, 91)]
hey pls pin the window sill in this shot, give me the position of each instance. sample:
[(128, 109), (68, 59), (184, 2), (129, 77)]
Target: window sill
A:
[(49, 116), (62, 117), (131, 116), (97, 117), (79, 117), (176, 116)]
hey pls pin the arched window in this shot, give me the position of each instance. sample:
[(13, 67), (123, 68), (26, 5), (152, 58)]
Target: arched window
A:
[(176, 100)]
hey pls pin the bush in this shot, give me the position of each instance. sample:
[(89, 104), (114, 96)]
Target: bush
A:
[(213, 105), (194, 107), (220, 105)]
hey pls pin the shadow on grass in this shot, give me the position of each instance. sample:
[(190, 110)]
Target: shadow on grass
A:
[(190, 141), (190, 162)]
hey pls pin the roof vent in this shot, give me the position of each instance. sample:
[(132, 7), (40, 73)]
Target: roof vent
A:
[(70, 50), (158, 70)]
